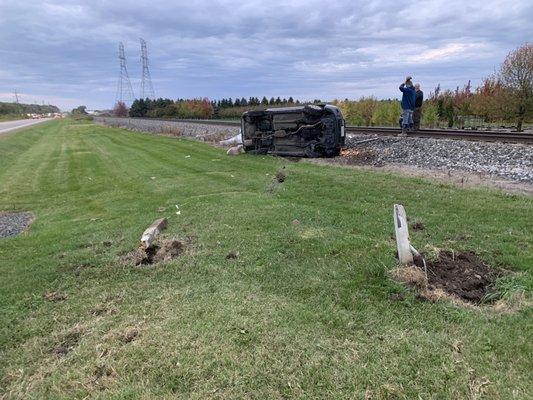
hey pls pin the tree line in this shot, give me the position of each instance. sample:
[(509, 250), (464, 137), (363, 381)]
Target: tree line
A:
[(22, 109), (198, 108)]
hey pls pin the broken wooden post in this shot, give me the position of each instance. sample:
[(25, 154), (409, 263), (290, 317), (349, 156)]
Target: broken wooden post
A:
[(152, 231), (402, 235)]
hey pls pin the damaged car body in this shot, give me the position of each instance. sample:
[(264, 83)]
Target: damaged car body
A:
[(302, 131)]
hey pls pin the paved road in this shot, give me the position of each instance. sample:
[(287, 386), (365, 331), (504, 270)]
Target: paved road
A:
[(22, 123)]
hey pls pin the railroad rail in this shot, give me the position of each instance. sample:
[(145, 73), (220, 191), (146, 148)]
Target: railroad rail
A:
[(457, 134)]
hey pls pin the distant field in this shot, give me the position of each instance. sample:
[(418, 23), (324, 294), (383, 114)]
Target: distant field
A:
[(303, 309)]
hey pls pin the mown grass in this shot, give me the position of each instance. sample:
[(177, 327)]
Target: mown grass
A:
[(305, 311)]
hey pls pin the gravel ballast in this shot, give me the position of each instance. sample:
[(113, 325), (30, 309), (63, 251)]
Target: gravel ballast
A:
[(504, 160), (14, 223)]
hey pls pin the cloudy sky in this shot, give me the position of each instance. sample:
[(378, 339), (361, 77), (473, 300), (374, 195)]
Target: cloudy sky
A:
[(65, 52)]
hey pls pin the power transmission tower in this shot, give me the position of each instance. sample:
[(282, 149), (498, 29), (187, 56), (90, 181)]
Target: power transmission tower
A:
[(124, 89), (147, 90), (16, 97)]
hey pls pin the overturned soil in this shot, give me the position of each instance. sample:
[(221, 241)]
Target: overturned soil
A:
[(169, 249), (359, 156), (460, 274)]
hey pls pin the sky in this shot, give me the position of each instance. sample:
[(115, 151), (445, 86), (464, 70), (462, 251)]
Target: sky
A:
[(66, 52)]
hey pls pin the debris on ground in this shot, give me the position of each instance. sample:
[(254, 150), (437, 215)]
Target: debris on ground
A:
[(281, 176), (129, 335), (149, 252), (60, 351), (397, 297), (418, 226), (359, 156), (68, 341), (234, 140), (232, 255), (169, 249), (295, 222), (55, 296), (14, 223), (452, 275), (235, 150)]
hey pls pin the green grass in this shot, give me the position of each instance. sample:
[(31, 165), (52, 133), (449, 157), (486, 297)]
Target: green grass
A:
[(303, 312), (11, 117)]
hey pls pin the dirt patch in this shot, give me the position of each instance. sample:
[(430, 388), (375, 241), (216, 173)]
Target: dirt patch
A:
[(453, 275), (55, 296), (462, 274), (169, 249), (129, 335), (359, 156), (418, 226), (281, 176), (232, 255), (67, 342)]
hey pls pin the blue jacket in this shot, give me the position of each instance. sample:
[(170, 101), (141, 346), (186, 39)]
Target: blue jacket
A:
[(408, 97)]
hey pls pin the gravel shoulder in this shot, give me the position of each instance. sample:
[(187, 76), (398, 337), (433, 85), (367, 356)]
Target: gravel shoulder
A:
[(14, 223)]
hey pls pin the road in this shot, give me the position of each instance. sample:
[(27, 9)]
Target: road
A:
[(18, 124)]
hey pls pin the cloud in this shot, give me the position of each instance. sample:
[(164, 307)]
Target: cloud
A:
[(67, 51)]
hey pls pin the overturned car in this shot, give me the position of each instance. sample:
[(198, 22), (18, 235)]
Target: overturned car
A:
[(303, 131)]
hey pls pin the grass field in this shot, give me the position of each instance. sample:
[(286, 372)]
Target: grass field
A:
[(304, 311)]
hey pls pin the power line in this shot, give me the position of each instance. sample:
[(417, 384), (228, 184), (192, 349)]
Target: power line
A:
[(147, 89), (124, 88)]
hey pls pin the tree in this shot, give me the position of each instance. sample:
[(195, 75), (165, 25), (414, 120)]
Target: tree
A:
[(80, 110), (264, 101), (138, 108), (516, 74), (120, 109), (272, 101), (291, 100)]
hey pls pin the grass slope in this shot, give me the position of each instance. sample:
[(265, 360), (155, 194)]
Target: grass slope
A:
[(303, 312)]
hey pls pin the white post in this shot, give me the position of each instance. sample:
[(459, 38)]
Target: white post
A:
[(402, 235)]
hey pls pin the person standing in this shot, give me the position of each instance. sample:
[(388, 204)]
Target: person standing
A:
[(419, 100), (408, 104)]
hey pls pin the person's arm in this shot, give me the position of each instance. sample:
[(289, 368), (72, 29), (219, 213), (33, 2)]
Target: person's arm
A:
[(402, 87)]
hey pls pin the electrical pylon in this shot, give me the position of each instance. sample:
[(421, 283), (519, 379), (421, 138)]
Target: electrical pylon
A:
[(147, 89), (124, 88)]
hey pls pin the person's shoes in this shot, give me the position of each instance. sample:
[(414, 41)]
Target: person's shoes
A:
[(403, 133)]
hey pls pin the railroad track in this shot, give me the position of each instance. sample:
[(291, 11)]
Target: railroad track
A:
[(457, 134), (484, 136)]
